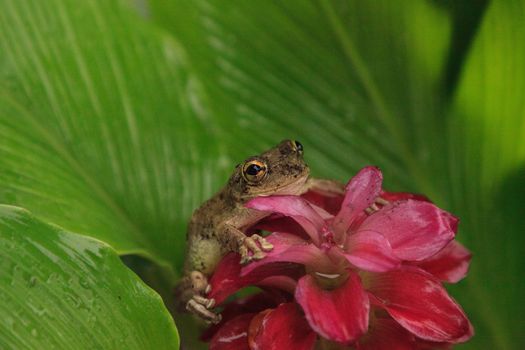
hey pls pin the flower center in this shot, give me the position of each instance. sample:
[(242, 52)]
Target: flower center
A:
[(330, 281), (329, 275)]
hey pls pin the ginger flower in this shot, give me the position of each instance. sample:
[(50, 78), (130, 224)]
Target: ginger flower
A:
[(363, 271)]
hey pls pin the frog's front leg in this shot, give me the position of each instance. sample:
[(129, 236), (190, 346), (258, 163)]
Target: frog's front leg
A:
[(233, 238)]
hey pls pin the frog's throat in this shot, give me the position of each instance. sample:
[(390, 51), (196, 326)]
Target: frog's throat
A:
[(296, 187)]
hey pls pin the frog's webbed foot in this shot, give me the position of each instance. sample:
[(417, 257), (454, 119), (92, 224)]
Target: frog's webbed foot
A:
[(255, 244), (199, 304)]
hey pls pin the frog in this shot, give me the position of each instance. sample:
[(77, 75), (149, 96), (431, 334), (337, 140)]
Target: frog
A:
[(220, 224)]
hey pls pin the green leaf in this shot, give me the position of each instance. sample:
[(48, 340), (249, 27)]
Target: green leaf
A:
[(110, 128), (398, 84), (103, 126), (487, 156), (351, 80), (62, 290)]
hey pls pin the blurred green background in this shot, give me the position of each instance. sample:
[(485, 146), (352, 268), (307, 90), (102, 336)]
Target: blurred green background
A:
[(118, 117)]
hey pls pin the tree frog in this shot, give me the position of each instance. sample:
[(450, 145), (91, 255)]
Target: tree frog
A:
[(219, 225)]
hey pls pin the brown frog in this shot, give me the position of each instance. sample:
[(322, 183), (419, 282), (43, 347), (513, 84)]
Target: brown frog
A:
[(218, 226)]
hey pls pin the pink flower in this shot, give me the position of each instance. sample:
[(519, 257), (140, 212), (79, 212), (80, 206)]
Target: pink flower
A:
[(363, 270)]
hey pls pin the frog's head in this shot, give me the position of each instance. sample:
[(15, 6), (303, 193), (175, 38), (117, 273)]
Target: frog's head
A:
[(280, 170)]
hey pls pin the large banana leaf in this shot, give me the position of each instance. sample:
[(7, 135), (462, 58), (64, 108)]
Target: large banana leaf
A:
[(487, 172), (400, 84), (102, 126), (114, 128), (64, 291)]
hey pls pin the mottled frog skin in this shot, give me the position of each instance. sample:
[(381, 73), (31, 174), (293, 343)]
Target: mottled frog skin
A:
[(218, 226)]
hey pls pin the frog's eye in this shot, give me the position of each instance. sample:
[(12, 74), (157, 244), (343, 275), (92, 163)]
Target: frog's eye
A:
[(297, 147), (254, 171)]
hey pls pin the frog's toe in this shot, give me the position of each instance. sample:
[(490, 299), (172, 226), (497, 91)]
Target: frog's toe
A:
[(201, 311), (243, 251), (265, 245), (258, 255), (253, 248), (215, 320), (199, 282), (208, 303), (378, 204)]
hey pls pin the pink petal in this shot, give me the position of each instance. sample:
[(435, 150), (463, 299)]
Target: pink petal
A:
[(370, 251), (429, 345), (450, 264), (289, 248), (453, 221), (339, 314), (331, 204), (226, 278), (233, 335), (416, 230), (251, 304), (294, 207), (282, 328), (361, 192), (385, 333), (278, 223), (397, 196), (418, 302), (322, 212), (284, 283), (255, 327)]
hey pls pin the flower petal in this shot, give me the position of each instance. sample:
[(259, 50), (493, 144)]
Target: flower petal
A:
[(279, 223), (397, 196), (250, 304), (322, 212), (284, 283), (340, 314), (233, 335), (450, 264), (281, 328), (226, 278), (331, 203), (415, 229), (453, 221), (288, 248), (385, 333), (418, 302), (361, 192), (294, 207), (370, 251)]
